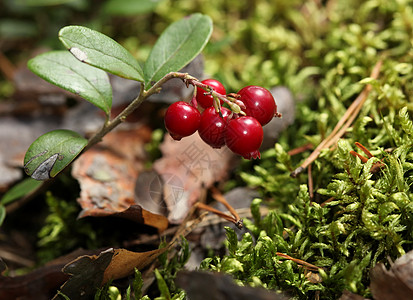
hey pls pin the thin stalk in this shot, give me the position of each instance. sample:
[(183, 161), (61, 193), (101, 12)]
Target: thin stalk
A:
[(343, 124), (143, 95)]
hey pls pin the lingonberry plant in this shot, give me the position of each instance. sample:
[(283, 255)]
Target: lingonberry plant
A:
[(245, 134), (83, 70)]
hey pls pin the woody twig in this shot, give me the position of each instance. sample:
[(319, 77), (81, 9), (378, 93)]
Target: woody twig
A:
[(303, 263), (343, 124), (233, 218)]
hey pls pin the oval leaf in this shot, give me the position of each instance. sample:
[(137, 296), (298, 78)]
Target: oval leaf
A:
[(52, 152), (62, 69), (179, 44), (23, 188), (100, 51)]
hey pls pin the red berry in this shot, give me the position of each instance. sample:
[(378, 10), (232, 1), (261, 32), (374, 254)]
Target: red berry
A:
[(213, 126), (259, 103), (244, 136), (181, 119), (207, 100)]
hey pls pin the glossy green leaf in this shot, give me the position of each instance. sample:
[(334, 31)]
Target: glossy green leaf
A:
[(95, 48), (62, 69), (21, 189), (127, 7), (180, 43), (52, 152)]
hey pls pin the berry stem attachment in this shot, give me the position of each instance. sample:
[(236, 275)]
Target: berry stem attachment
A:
[(235, 104)]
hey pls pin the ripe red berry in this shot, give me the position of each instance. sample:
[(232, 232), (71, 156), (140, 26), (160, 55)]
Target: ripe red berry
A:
[(259, 103), (212, 127), (207, 100), (244, 136), (181, 119)]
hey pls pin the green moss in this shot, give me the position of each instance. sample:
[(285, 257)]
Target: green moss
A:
[(62, 232), (325, 54)]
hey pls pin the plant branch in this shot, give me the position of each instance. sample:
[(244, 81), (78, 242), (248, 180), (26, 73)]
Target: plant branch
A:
[(156, 88), (143, 95)]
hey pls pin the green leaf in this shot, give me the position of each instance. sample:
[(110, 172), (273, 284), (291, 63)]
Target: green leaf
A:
[(52, 152), (180, 43), (231, 265), (137, 284), (162, 286), (62, 69), (127, 7), (2, 214), (21, 189), (95, 48)]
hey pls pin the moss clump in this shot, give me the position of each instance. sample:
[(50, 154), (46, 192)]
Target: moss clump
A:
[(353, 218)]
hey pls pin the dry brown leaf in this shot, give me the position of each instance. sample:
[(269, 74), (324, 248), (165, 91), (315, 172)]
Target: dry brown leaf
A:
[(186, 167), (108, 171), (124, 262), (395, 283), (107, 174), (134, 213), (91, 272), (41, 282)]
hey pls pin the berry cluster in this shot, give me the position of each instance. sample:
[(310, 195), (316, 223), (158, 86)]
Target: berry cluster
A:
[(218, 125)]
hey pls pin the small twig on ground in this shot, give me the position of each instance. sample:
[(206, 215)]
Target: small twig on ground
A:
[(187, 225), (300, 149), (310, 183), (377, 166), (343, 124), (220, 198), (327, 201), (216, 194), (305, 264)]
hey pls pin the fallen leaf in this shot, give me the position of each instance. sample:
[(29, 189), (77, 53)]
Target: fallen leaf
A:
[(186, 167), (395, 283), (91, 272), (86, 275), (42, 282), (148, 192), (124, 262), (107, 175), (134, 213)]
